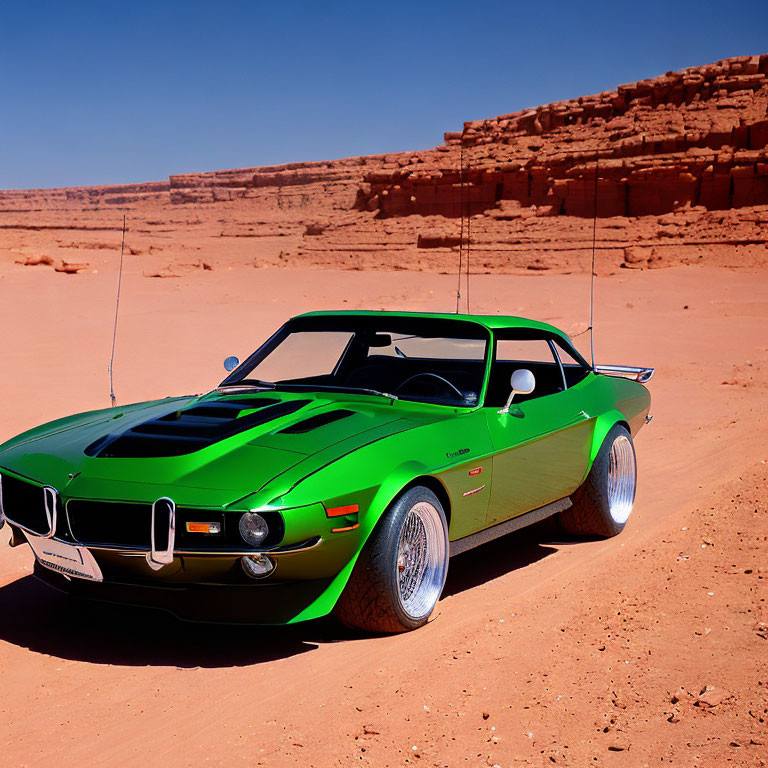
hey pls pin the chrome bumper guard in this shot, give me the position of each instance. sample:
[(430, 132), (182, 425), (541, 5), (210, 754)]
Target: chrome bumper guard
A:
[(51, 499), (163, 514)]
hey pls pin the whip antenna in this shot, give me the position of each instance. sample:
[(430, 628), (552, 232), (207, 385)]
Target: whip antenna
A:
[(117, 308), (468, 180), (592, 270), (461, 222)]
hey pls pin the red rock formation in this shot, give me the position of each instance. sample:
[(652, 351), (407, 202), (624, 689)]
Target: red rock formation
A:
[(82, 198), (694, 137), (682, 166)]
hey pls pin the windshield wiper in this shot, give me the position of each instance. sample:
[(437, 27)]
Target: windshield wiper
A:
[(272, 386), (332, 388), (248, 383)]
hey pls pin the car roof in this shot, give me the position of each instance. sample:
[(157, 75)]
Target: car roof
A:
[(491, 322)]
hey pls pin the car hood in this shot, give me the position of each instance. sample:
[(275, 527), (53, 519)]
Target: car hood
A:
[(197, 448)]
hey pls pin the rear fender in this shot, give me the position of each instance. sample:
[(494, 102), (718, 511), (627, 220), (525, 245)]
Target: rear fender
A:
[(603, 425)]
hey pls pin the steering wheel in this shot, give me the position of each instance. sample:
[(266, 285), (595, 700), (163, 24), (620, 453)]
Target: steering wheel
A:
[(434, 376)]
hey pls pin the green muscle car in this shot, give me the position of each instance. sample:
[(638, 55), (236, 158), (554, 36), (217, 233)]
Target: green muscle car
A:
[(336, 469)]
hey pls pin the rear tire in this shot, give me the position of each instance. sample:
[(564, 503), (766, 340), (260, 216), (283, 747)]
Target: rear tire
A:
[(603, 503), (401, 571)]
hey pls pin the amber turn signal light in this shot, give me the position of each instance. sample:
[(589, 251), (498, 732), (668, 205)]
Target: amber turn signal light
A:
[(204, 528)]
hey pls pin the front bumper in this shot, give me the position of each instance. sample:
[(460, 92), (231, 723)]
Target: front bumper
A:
[(267, 602), (212, 586)]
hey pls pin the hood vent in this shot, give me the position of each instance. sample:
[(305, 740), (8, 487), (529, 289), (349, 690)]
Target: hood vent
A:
[(221, 409), (187, 431), (315, 422)]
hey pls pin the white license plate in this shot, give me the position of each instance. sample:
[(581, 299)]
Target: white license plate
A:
[(65, 558)]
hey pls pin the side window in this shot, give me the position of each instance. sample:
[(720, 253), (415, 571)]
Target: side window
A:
[(532, 353)]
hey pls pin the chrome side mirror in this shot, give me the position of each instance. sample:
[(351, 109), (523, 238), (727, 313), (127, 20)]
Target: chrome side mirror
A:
[(523, 382), (231, 363)]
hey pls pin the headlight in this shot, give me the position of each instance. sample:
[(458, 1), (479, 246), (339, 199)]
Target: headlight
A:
[(253, 528)]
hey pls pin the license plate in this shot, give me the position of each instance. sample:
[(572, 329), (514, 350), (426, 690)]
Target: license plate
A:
[(65, 558)]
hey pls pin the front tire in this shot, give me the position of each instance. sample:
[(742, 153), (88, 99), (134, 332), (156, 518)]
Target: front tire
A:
[(401, 571), (603, 503)]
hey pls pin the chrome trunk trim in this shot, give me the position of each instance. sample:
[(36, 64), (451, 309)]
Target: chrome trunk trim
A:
[(626, 372), (164, 508)]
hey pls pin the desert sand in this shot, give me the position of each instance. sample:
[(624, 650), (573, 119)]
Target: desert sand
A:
[(648, 649), (541, 652)]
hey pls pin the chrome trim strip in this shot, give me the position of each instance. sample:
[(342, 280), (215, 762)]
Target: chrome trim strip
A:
[(626, 371), (508, 526), (553, 349), (157, 558), (139, 552), (2, 511), (473, 491)]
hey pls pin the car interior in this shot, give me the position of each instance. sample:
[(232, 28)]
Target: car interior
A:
[(376, 360), (554, 368)]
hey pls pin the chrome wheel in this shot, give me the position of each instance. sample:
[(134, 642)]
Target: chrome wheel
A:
[(622, 478), (422, 559)]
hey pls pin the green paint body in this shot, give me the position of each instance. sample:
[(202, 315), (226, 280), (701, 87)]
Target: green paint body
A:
[(538, 453)]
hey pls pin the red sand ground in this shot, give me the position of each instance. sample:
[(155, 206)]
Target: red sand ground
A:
[(542, 652)]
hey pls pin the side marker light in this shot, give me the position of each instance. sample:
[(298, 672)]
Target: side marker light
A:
[(348, 528), (350, 509)]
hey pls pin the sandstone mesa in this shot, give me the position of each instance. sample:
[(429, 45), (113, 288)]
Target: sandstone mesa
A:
[(682, 163)]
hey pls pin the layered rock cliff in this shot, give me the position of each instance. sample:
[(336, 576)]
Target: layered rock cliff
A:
[(694, 137), (678, 163)]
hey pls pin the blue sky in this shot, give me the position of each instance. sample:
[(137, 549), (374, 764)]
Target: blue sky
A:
[(113, 92)]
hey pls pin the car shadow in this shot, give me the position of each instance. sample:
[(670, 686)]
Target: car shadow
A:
[(46, 621), (500, 557)]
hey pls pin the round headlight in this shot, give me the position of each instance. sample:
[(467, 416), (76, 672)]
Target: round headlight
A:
[(258, 566), (253, 528)]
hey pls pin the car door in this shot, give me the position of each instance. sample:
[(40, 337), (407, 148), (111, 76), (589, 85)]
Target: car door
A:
[(542, 444)]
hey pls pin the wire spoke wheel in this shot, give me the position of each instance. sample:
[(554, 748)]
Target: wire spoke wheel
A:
[(602, 504), (421, 560), (622, 478), (400, 572)]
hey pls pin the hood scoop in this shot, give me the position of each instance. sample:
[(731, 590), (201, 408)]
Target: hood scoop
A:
[(315, 422), (186, 431)]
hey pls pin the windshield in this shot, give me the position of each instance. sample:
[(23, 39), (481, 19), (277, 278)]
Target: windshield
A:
[(410, 358)]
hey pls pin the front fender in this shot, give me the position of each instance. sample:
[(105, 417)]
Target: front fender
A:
[(384, 495)]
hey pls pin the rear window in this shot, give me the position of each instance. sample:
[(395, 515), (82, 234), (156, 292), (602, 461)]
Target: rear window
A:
[(524, 350), (433, 348)]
